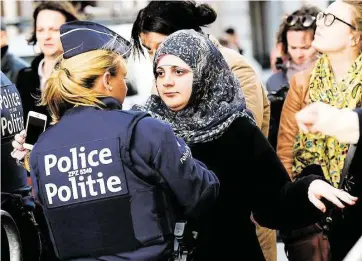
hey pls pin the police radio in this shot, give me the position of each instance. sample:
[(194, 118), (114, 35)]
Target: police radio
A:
[(185, 242)]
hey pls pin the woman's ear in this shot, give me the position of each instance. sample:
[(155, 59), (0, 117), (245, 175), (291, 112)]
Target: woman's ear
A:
[(106, 80), (355, 39)]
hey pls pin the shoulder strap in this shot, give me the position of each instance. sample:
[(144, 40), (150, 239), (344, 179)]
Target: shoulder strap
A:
[(127, 139), (328, 218), (347, 165)]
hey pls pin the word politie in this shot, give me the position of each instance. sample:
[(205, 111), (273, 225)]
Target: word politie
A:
[(84, 187)]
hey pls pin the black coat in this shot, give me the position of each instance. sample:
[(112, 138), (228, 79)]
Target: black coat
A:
[(28, 85), (347, 225), (252, 179)]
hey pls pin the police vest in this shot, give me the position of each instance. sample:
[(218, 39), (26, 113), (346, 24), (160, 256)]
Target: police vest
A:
[(12, 122), (86, 193)]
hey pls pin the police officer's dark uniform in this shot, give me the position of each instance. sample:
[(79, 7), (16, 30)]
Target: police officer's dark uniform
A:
[(13, 176), (106, 177), (16, 196)]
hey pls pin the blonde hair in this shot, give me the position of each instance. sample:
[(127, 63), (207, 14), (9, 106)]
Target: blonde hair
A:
[(72, 80)]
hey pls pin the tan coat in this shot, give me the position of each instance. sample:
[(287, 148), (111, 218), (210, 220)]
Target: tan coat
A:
[(296, 100), (253, 89), (288, 128)]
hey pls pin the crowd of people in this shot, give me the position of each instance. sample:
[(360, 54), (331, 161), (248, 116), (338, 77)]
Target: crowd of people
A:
[(211, 166)]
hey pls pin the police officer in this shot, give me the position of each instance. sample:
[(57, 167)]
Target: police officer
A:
[(16, 196), (110, 181), (13, 178)]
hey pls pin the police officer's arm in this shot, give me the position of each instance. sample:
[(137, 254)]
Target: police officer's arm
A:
[(33, 170), (156, 145)]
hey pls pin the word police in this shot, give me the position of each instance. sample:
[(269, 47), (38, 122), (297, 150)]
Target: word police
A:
[(80, 187)]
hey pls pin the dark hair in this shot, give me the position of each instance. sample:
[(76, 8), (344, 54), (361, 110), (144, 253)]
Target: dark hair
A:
[(230, 31), (285, 27), (167, 17), (63, 7)]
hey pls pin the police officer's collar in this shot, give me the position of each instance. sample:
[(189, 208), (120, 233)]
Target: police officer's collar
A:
[(111, 103), (83, 36)]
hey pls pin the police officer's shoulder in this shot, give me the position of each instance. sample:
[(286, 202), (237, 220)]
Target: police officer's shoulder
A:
[(144, 122), (275, 81), (47, 134), (131, 113), (5, 80), (153, 124)]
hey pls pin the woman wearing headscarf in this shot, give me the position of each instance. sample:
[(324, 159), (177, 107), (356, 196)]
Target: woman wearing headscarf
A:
[(161, 18), (201, 99)]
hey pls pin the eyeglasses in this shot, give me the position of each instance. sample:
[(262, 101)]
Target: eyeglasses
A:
[(330, 18), (304, 20)]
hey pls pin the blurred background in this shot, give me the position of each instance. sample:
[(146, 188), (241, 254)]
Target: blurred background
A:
[(249, 27), (255, 23)]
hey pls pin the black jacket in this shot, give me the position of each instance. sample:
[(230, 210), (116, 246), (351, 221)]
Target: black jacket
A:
[(28, 84), (11, 64), (347, 224), (252, 179)]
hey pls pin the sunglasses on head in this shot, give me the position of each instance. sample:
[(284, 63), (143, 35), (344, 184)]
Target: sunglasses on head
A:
[(304, 20)]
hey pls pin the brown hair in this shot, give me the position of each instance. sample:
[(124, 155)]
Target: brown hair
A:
[(285, 27), (72, 80), (63, 7)]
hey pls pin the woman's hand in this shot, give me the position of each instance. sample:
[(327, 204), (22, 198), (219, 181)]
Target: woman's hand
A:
[(19, 151), (342, 124), (320, 189)]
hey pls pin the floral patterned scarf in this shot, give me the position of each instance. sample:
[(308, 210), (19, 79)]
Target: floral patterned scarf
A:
[(320, 149)]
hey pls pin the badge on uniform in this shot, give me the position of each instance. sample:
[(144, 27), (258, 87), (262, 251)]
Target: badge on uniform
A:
[(81, 173), (12, 120)]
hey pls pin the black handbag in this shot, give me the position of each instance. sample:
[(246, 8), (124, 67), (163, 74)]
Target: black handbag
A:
[(311, 243)]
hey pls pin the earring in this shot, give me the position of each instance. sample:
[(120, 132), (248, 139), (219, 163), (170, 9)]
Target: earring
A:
[(109, 88)]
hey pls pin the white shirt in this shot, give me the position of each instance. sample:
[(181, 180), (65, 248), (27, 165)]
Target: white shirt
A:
[(41, 75)]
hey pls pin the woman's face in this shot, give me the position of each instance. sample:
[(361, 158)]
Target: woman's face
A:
[(338, 36), (151, 41), (174, 82), (48, 23)]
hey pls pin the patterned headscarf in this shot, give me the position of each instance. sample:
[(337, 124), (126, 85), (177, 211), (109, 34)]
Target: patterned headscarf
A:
[(216, 99)]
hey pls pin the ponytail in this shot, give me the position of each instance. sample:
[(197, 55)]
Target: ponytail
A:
[(72, 80)]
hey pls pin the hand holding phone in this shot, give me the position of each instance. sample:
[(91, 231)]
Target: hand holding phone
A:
[(19, 151), (35, 125)]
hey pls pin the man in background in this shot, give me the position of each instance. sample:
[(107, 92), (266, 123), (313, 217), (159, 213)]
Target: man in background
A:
[(10, 64)]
